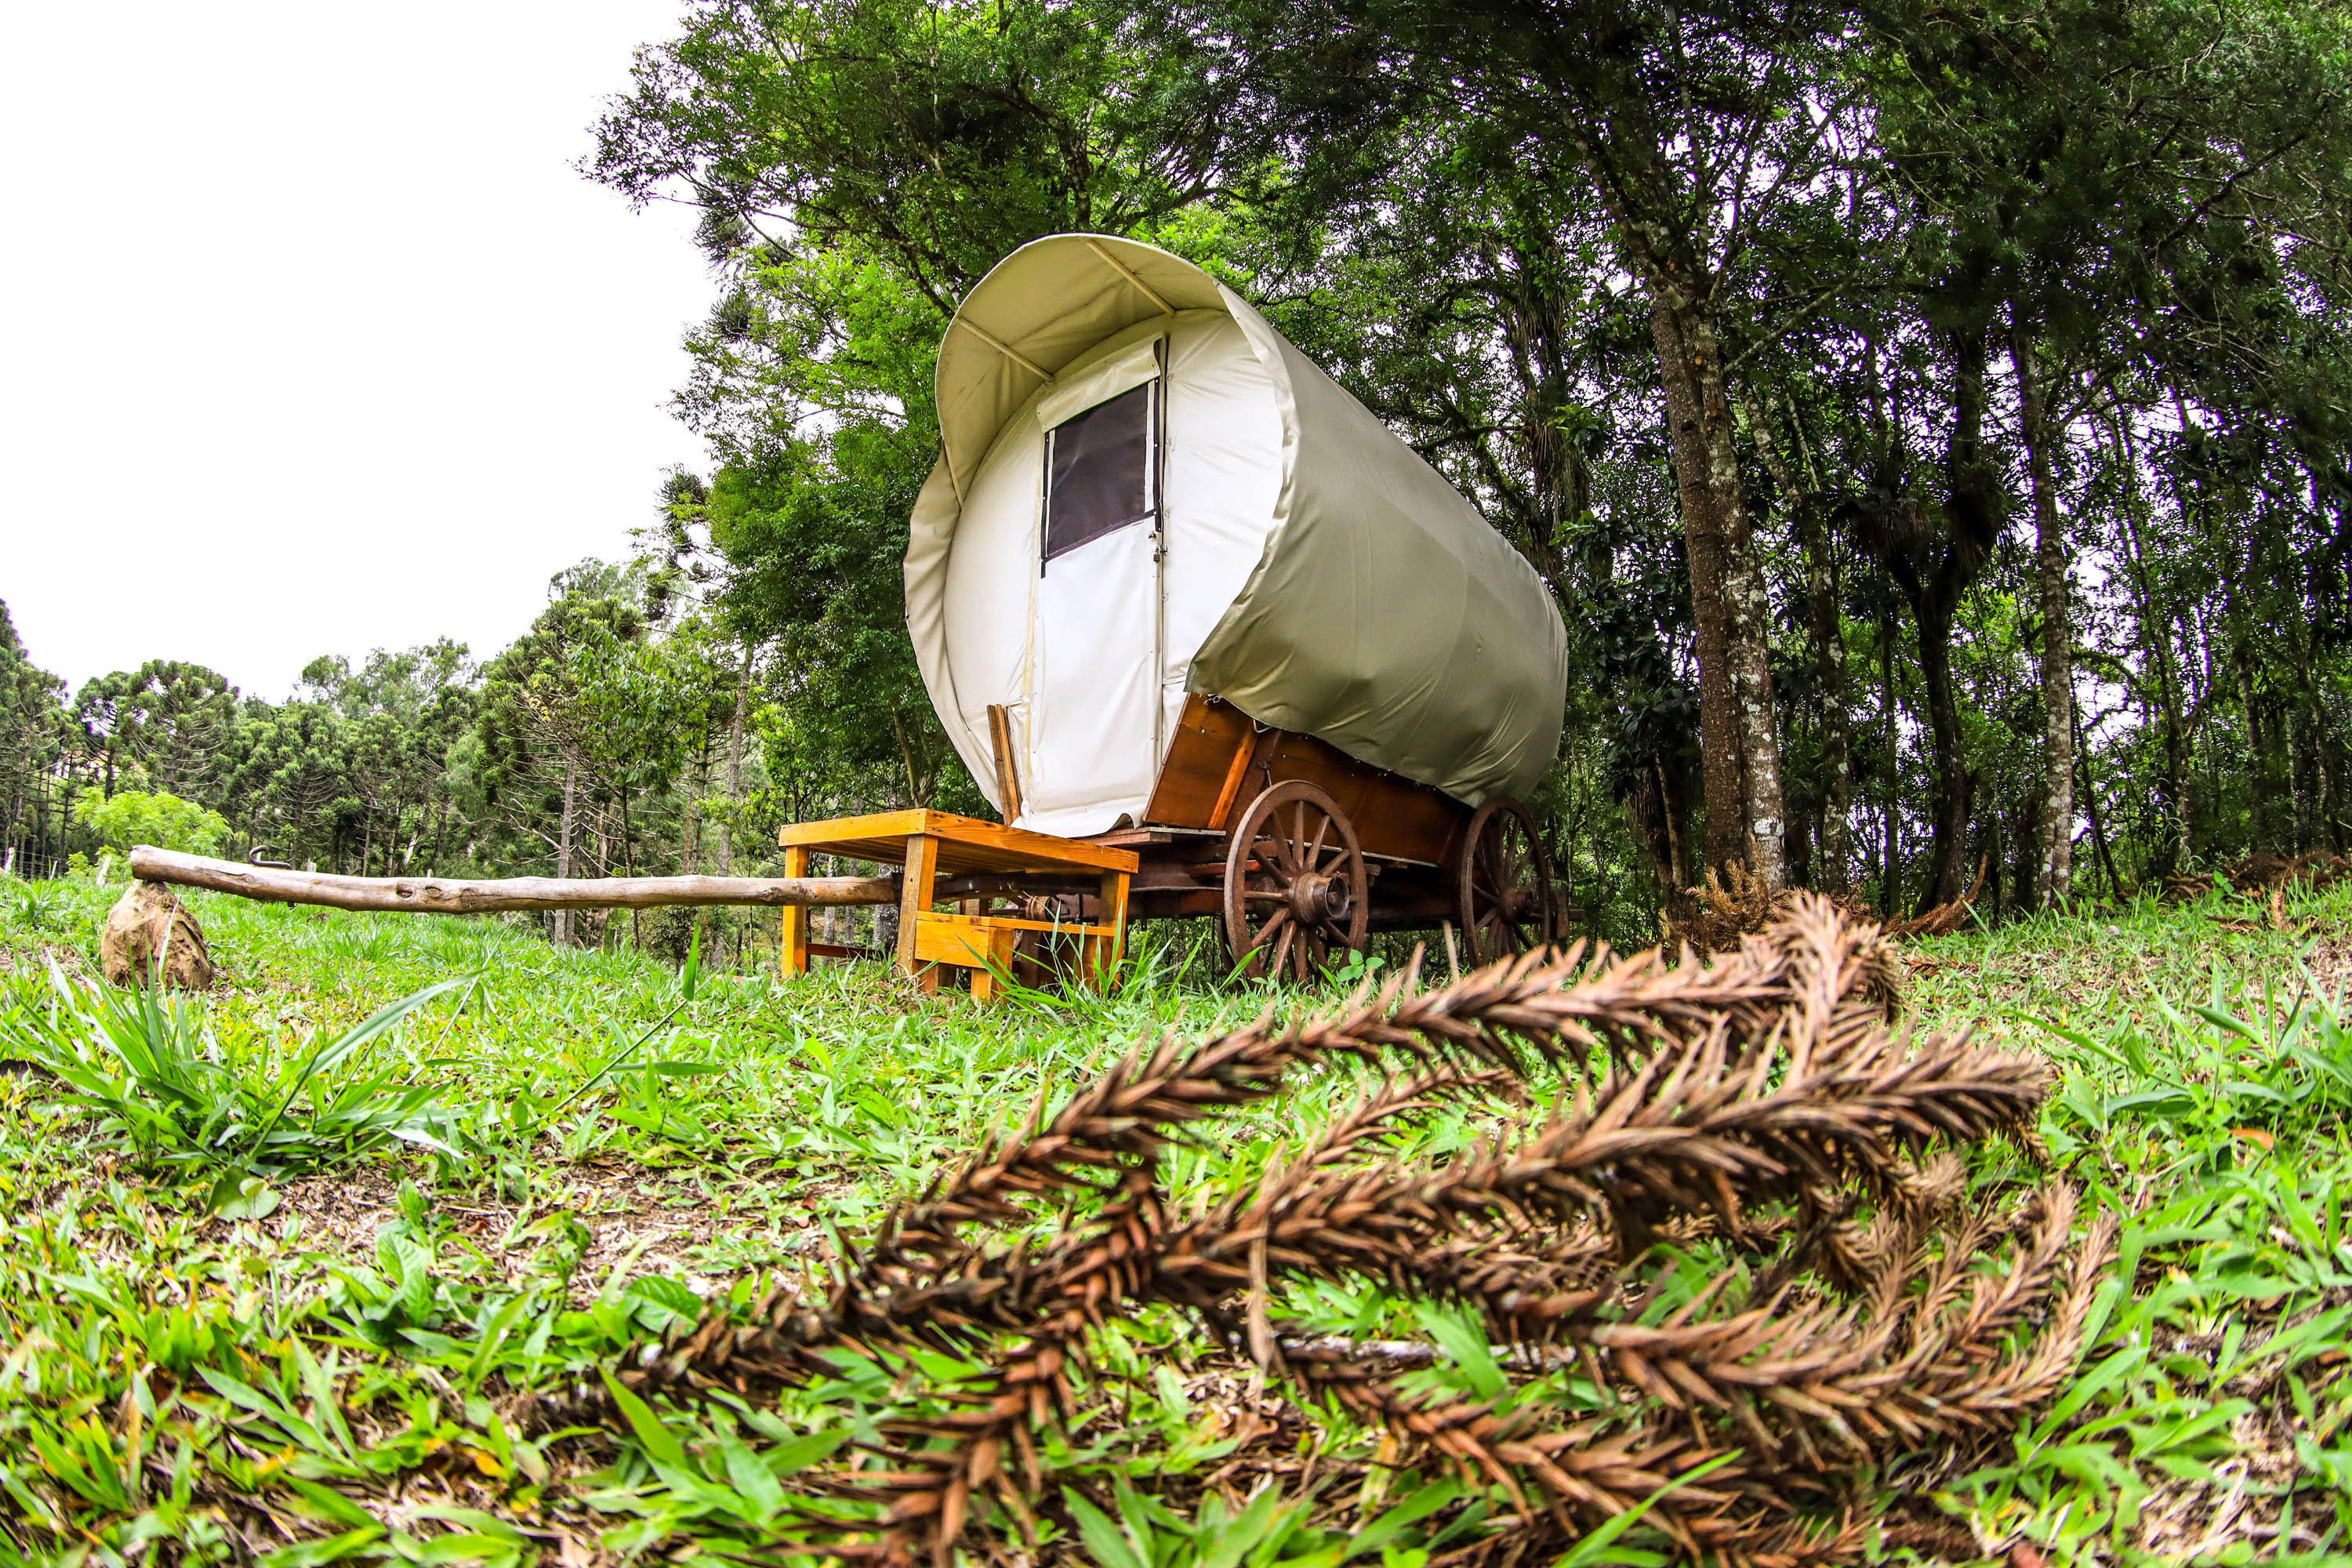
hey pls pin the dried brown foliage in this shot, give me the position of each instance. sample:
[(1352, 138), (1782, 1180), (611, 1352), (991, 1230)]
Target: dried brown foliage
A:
[(1868, 1306), (2265, 873), (1715, 916), (1944, 919)]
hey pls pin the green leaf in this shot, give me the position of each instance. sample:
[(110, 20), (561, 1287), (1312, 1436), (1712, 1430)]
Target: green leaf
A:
[(334, 1549), (791, 1458), (239, 1196), (657, 1440), (332, 1506), (1463, 1337), (1410, 1511), (352, 1039), (1248, 1528), (2229, 1022), (747, 1475), (1600, 1545), (1105, 1542)]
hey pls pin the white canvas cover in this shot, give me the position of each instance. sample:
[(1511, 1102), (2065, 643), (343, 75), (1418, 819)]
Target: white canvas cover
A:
[(1305, 563)]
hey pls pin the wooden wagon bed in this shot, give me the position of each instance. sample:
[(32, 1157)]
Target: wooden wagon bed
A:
[(946, 857), (1299, 849)]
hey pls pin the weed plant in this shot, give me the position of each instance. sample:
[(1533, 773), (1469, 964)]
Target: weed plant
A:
[(306, 1270)]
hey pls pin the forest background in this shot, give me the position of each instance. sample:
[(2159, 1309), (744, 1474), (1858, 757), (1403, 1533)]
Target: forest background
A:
[(1930, 419)]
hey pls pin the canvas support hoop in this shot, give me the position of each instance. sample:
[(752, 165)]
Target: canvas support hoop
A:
[(1006, 350), (1124, 271)]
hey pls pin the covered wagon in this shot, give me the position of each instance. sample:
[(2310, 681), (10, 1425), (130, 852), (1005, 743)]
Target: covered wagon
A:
[(1176, 594)]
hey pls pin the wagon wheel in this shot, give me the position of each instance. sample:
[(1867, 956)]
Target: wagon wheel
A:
[(1503, 885), (1294, 884)]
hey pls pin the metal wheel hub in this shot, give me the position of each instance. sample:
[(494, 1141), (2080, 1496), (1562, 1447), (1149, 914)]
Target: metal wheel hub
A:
[(1317, 898)]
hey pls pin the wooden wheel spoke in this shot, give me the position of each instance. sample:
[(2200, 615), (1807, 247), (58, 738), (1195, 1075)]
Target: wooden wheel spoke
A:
[(1311, 955), (1503, 865), (1291, 831)]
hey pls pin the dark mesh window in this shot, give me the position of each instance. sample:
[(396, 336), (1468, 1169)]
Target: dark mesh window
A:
[(1099, 471)]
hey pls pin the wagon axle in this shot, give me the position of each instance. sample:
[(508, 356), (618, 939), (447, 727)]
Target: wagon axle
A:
[(1319, 900)]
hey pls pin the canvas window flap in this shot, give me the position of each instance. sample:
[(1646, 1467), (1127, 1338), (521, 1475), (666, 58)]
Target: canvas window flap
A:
[(1100, 382)]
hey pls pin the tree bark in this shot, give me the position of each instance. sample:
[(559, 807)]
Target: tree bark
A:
[(1890, 877), (1832, 834), (2259, 746), (689, 853), (432, 895), (1934, 569), (1739, 731), (1954, 787), (1833, 845), (2053, 866), (2176, 731), (2091, 806)]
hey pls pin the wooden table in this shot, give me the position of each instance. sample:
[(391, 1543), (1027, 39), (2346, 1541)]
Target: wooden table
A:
[(931, 845)]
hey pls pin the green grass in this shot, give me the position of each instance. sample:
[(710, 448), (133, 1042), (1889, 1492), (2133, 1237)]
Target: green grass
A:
[(283, 1277)]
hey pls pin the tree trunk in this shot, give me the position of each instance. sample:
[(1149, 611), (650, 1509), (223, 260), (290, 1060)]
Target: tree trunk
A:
[(2157, 637), (1933, 583), (1833, 845), (734, 766), (1890, 878), (1738, 731), (689, 853), (563, 845), (1955, 789), (2091, 807), (2053, 869), (1833, 833), (2257, 749)]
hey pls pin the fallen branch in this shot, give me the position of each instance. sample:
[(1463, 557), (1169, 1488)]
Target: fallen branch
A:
[(441, 896), (1865, 1302)]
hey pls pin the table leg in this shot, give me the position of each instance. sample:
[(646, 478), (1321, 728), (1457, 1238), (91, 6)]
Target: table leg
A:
[(983, 981), (1103, 953), (793, 952), (914, 899)]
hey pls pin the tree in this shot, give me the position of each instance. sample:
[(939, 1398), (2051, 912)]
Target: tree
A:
[(564, 726), (290, 773), (32, 736), (860, 166), (401, 714), (1690, 126), (168, 719)]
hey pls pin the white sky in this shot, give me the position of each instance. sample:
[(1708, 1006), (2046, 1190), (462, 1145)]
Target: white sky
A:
[(311, 341)]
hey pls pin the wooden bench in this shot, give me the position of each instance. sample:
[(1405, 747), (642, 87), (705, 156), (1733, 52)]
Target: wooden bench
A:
[(935, 845)]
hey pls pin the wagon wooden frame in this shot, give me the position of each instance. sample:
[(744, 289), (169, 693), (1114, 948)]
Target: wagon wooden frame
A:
[(1299, 850)]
